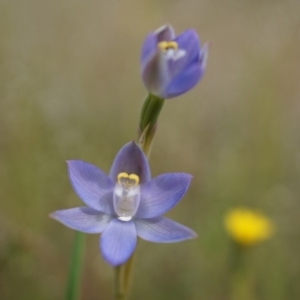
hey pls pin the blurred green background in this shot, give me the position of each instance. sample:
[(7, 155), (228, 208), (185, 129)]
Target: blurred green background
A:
[(70, 89)]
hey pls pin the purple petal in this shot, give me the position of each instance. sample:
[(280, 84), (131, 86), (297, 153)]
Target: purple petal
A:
[(91, 185), (155, 73), (187, 79), (184, 81), (84, 219), (164, 33), (163, 230), (149, 47), (132, 160), (188, 41), (118, 241), (161, 194)]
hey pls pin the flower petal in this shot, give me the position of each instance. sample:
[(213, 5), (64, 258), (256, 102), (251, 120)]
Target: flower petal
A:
[(155, 73), (184, 81), (84, 219), (163, 230), (132, 160), (188, 41), (118, 241), (149, 47), (164, 33), (161, 194), (187, 79), (91, 185)]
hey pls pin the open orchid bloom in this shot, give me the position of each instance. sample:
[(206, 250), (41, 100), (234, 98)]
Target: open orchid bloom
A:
[(172, 65), (125, 204)]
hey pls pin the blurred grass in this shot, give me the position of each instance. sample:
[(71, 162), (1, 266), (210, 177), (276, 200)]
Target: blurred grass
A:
[(70, 88)]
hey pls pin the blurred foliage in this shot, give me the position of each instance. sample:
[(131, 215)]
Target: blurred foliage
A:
[(70, 88)]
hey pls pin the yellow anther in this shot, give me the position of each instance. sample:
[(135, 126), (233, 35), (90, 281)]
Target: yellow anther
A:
[(164, 46), (127, 180)]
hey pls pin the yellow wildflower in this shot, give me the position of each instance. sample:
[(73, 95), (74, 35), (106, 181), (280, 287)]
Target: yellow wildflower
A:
[(247, 227)]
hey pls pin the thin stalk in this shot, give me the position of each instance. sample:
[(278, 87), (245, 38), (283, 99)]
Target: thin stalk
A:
[(122, 279), (73, 286), (241, 282), (147, 127), (118, 285), (148, 122)]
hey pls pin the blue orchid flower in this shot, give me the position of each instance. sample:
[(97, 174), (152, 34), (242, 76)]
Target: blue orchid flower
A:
[(126, 204), (171, 65)]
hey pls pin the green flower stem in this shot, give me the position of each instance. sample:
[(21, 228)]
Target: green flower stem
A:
[(241, 282), (147, 127), (148, 122), (118, 284), (122, 279), (73, 286)]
